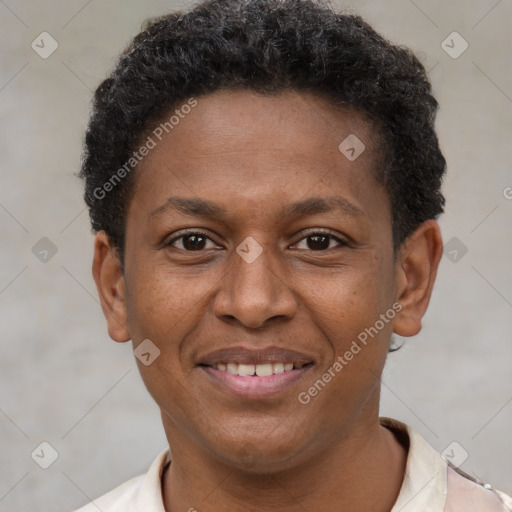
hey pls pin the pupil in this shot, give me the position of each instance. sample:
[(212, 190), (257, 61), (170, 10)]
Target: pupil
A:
[(194, 245), (324, 245)]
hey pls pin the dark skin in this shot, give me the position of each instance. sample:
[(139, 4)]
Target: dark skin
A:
[(254, 155)]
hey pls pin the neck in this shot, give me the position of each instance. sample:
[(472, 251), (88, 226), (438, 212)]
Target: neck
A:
[(362, 471)]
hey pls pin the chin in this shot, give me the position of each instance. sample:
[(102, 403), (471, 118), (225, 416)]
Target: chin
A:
[(262, 456)]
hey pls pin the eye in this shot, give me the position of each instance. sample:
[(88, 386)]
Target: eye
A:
[(321, 241), (190, 241)]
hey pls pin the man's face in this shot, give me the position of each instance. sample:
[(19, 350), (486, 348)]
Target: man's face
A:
[(261, 276)]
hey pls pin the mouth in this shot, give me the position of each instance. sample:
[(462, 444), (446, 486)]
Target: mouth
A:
[(251, 374)]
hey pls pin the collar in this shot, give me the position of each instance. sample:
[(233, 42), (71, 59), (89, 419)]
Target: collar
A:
[(424, 486)]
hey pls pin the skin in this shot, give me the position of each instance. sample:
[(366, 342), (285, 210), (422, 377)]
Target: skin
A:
[(253, 155)]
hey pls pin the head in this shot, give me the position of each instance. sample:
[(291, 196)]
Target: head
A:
[(264, 173)]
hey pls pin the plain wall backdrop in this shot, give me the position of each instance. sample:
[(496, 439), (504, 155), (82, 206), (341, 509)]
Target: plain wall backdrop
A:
[(64, 382)]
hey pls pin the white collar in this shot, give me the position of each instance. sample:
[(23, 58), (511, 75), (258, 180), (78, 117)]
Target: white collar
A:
[(424, 486)]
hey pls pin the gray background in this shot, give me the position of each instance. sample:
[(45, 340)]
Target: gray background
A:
[(62, 380)]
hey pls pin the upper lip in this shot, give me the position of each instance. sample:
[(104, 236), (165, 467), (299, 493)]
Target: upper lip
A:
[(243, 355)]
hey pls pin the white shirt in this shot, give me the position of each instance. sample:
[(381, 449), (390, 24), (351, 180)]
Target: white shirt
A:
[(429, 485)]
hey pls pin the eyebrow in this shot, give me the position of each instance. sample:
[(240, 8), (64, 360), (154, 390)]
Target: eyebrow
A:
[(310, 206)]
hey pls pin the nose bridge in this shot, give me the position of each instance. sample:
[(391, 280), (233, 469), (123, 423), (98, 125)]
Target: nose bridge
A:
[(253, 268), (253, 290)]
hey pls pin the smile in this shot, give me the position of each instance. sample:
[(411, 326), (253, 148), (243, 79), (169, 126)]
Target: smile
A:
[(254, 374), (257, 370)]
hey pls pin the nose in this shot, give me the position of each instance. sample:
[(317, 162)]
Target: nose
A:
[(253, 293)]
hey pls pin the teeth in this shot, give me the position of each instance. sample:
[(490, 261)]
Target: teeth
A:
[(278, 367), (261, 370), (245, 370)]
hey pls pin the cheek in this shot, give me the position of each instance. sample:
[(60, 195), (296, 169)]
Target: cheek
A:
[(350, 319), (163, 308), (345, 301), (163, 303)]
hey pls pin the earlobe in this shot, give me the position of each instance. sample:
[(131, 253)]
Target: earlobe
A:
[(417, 264), (109, 279)]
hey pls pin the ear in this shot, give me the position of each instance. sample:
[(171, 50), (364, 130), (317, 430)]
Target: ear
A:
[(416, 269), (109, 279)]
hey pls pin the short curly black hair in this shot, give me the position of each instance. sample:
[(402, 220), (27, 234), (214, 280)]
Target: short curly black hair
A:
[(266, 46)]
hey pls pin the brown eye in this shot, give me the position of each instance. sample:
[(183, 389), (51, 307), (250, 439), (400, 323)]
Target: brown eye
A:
[(194, 242), (191, 241), (319, 241)]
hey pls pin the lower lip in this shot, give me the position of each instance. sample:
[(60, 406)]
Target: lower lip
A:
[(253, 387)]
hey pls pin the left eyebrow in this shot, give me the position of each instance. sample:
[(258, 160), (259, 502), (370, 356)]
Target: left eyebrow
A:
[(315, 205), (310, 206)]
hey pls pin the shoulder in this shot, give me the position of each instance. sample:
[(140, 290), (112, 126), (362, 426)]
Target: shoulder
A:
[(432, 484), (119, 499), (141, 493), (467, 495)]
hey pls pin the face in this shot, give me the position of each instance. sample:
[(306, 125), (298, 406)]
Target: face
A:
[(254, 245)]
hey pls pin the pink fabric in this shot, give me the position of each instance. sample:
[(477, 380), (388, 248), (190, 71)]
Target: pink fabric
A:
[(467, 496)]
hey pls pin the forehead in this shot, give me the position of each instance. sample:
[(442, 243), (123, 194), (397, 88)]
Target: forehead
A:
[(253, 148), (235, 116)]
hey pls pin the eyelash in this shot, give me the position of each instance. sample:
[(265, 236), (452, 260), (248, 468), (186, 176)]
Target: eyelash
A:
[(342, 242)]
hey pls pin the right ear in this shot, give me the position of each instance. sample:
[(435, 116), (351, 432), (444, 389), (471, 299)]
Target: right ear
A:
[(109, 279)]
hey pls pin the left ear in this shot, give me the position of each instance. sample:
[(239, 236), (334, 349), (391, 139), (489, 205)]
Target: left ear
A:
[(416, 269)]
